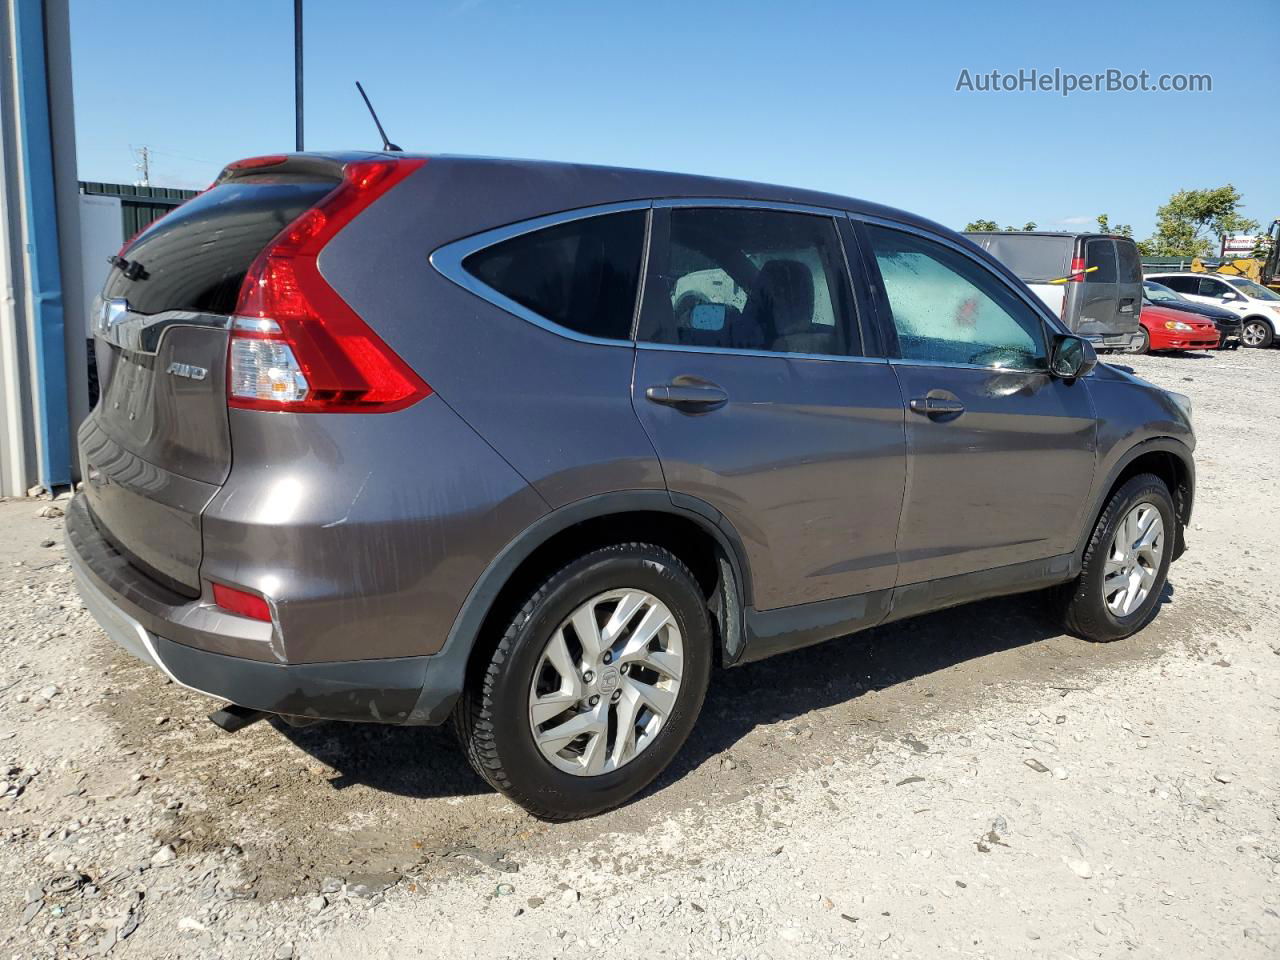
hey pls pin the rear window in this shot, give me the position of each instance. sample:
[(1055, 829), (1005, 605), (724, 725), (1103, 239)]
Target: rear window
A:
[(1128, 262), (581, 274), (1030, 257), (196, 257), (1100, 261)]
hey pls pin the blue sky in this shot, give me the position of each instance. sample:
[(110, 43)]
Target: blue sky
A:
[(858, 99)]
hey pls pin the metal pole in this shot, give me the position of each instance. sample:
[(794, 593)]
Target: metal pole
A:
[(297, 74), (44, 270)]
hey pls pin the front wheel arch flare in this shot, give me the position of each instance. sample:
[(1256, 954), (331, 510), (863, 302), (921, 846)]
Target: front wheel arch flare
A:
[(1167, 458)]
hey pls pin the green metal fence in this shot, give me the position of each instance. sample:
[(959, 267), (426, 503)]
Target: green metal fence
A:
[(138, 205)]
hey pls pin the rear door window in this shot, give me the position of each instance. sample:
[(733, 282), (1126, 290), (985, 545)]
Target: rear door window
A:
[(1182, 284), (1102, 255), (948, 309), (581, 274), (739, 279), (1211, 287)]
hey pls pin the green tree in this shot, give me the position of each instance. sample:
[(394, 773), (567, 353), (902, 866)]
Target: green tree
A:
[(1120, 229), (987, 225), (1187, 225)]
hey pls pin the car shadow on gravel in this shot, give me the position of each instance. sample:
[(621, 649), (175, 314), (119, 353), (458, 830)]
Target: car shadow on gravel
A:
[(843, 671), (409, 761), (428, 762)]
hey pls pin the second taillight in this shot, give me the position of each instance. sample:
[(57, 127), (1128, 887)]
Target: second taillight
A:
[(296, 345)]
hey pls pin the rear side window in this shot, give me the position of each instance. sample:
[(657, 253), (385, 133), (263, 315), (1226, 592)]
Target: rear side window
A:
[(738, 279), (581, 274), (1210, 287), (1102, 255), (1182, 284), (948, 309), (195, 258), (1128, 262)]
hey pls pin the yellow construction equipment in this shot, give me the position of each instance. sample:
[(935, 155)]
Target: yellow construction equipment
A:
[(1263, 270)]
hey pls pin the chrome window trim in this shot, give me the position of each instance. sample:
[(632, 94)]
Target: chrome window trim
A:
[(447, 261), (1048, 322), (144, 333), (903, 362), (774, 354)]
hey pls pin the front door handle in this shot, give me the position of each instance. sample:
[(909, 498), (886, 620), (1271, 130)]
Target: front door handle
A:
[(936, 406), (688, 398)]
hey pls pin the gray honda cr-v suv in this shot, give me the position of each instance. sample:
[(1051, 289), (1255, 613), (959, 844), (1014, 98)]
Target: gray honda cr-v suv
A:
[(535, 446)]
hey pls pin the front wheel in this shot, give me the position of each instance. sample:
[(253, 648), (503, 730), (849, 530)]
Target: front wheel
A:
[(594, 685), (1256, 333), (1144, 341), (1126, 563)]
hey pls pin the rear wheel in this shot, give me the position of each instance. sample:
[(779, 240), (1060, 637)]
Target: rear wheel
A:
[(594, 685), (1256, 332), (1126, 563)]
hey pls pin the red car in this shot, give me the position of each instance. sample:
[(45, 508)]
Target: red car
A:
[(1167, 329)]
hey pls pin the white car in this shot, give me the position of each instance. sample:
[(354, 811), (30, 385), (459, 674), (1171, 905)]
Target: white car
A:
[(1258, 306)]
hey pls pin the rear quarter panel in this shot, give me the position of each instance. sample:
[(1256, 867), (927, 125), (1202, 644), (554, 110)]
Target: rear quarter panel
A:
[(366, 531)]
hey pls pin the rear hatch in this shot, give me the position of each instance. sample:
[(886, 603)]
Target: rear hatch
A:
[(157, 447)]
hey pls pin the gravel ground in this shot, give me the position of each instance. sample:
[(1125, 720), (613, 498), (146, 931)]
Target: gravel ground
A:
[(969, 784)]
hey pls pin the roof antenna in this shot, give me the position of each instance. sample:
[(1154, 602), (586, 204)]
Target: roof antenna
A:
[(386, 144)]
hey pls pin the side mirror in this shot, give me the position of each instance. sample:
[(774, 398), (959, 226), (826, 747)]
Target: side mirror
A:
[(1229, 295), (1072, 357)]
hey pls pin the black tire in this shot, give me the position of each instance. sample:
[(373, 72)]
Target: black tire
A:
[(1264, 330), (492, 718), (1085, 612), (1144, 341)]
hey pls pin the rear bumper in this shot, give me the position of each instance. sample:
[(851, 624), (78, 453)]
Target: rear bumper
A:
[(1114, 341), (137, 613)]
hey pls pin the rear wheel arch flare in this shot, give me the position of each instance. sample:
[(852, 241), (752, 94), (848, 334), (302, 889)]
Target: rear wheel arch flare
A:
[(712, 554)]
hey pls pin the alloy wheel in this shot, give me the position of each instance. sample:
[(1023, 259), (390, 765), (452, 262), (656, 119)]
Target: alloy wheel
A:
[(1253, 334), (1133, 561), (606, 682)]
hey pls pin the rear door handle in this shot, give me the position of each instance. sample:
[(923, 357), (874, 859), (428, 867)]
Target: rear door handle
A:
[(936, 406), (687, 398)]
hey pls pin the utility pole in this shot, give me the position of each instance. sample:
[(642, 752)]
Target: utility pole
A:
[(297, 75), (143, 165)]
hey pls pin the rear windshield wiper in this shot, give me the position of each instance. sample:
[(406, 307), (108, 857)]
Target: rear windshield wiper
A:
[(132, 269)]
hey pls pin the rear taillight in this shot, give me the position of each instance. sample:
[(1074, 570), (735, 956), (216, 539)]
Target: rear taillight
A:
[(1077, 270), (241, 602), (295, 343)]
